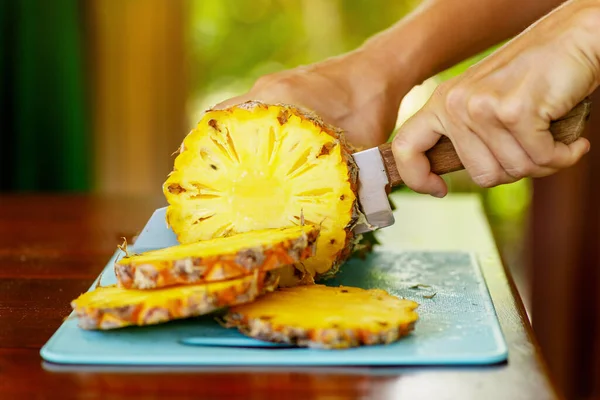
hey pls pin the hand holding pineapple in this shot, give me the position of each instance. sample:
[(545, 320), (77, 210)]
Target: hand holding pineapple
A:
[(354, 92), (497, 114)]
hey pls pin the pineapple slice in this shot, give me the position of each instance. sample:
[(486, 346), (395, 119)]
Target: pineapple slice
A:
[(325, 317), (255, 166), (111, 307), (217, 259)]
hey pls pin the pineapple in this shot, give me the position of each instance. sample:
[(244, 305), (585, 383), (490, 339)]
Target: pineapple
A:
[(111, 307), (325, 317), (260, 196), (217, 259), (255, 166)]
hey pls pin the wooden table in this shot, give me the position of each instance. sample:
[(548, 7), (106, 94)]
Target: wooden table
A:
[(53, 247)]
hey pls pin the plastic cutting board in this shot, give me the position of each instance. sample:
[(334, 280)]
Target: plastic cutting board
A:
[(457, 326)]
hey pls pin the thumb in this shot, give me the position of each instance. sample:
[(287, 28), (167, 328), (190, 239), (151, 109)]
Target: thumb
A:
[(417, 135)]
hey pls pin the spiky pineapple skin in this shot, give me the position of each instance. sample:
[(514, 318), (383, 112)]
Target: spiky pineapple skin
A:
[(322, 333), (227, 265), (178, 185), (162, 305), (325, 339)]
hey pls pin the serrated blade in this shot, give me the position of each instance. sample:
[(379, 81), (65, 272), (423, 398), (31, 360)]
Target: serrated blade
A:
[(373, 189)]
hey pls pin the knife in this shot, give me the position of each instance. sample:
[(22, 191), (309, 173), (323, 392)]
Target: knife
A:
[(378, 173)]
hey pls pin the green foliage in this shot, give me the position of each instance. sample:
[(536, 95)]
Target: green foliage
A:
[(466, 64), (233, 42), (44, 140)]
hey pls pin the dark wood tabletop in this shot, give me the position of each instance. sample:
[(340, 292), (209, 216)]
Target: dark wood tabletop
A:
[(52, 247)]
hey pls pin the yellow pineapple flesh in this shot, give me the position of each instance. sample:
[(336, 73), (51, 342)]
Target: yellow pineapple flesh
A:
[(112, 307), (255, 166), (217, 259), (325, 317)]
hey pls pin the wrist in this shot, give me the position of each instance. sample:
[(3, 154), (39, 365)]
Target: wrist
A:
[(397, 54), (388, 64)]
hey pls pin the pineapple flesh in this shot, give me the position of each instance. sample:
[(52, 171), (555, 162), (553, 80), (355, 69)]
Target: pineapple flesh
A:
[(255, 166), (325, 317), (112, 307), (217, 259), (263, 201)]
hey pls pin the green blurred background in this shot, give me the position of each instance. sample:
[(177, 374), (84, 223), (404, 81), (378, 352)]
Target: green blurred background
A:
[(44, 116), (47, 80), (95, 95)]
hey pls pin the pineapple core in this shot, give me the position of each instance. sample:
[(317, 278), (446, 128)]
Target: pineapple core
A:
[(254, 166)]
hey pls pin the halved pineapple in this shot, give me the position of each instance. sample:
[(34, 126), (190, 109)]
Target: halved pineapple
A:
[(217, 259), (325, 317), (112, 307), (255, 166)]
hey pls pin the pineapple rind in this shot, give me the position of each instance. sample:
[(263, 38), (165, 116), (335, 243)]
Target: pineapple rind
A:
[(326, 339), (217, 259), (283, 150), (111, 307), (337, 317)]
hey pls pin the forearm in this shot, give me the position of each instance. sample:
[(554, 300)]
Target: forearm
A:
[(499, 114), (441, 33)]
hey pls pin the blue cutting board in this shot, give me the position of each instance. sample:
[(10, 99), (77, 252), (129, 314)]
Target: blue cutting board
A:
[(457, 326)]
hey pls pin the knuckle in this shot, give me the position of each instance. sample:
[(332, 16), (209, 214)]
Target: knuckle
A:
[(276, 82), (543, 158), (455, 99), (511, 110), (487, 179), (481, 105), (520, 171), (440, 91), (401, 146), (281, 82), (263, 80)]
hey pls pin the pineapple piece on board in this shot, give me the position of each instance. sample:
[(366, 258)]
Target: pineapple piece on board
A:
[(325, 317), (217, 259), (254, 166), (111, 307)]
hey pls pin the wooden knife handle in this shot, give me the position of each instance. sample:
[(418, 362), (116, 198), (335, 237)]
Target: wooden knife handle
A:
[(443, 157)]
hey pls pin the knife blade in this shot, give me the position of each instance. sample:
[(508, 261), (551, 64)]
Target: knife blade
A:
[(378, 173)]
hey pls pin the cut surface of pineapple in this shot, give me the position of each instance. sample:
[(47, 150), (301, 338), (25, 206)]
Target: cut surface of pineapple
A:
[(112, 307), (325, 317), (255, 166), (217, 259)]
